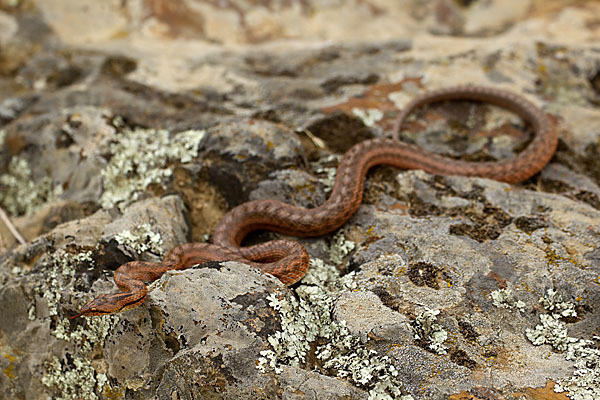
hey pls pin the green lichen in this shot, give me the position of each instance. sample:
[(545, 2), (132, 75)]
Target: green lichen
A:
[(85, 338), (308, 320), (141, 239), (140, 158), (76, 379), (340, 248), (585, 382), (2, 137), (585, 354), (71, 377), (329, 172), (551, 331), (504, 298), (20, 194), (554, 303), (427, 330), (60, 269), (369, 116)]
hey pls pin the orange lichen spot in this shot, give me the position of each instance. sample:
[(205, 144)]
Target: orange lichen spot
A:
[(306, 186), (393, 346), (375, 97), (10, 370), (463, 396), (399, 206), (111, 393), (543, 393)]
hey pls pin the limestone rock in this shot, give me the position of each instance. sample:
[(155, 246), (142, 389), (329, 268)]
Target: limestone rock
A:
[(127, 128)]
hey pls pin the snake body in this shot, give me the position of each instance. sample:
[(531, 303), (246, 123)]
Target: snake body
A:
[(288, 260)]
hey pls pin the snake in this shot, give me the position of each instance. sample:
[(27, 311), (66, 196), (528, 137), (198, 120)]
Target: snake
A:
[(288, 260)]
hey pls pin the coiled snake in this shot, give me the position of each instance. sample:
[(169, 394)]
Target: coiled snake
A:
[(288, 260)]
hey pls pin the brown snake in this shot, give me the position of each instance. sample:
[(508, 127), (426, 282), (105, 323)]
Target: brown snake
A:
[(288, 260)]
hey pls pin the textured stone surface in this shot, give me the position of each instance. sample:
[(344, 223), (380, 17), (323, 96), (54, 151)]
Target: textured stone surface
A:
[(132, 131)]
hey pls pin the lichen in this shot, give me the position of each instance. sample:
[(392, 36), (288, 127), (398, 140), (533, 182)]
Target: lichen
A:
[(308, 320), (368, 115), (504, 298), (340, 248), (60, 269), (427, 330), (85, 338), (9, 371), (140, 158), (141, 239), (584, 384), (551, 331), (76, 379), (72, 377), (20, 194), (554, 303), (330, 172), (2, 137)]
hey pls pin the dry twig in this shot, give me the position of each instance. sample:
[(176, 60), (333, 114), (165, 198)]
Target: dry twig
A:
[(10, 226)]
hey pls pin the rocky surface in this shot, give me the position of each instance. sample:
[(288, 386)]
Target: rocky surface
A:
[(132, 131)]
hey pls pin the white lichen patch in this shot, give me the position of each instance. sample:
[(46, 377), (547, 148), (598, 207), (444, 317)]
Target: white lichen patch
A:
[(369, 116), (308, 320), (86, 338), (426, 329), (585, 382), (504, 298), (140, 158), (585, 354), (60, 269), (76, 378), (31, 312), (551, 331), (328, 174), (554, 303), (73, 377), (340, 248), (141, 239), (20, 194)]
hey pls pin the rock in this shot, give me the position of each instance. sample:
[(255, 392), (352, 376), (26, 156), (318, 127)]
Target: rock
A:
[(120, 142)]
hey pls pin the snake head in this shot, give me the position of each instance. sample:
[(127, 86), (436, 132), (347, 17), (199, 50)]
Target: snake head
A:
[(101, 305), (111, 303)]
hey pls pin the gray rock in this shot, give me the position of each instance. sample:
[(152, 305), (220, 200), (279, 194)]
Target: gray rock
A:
[(115, 150)]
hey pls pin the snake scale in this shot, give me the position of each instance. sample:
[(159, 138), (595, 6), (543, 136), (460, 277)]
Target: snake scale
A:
[(288, 260)]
